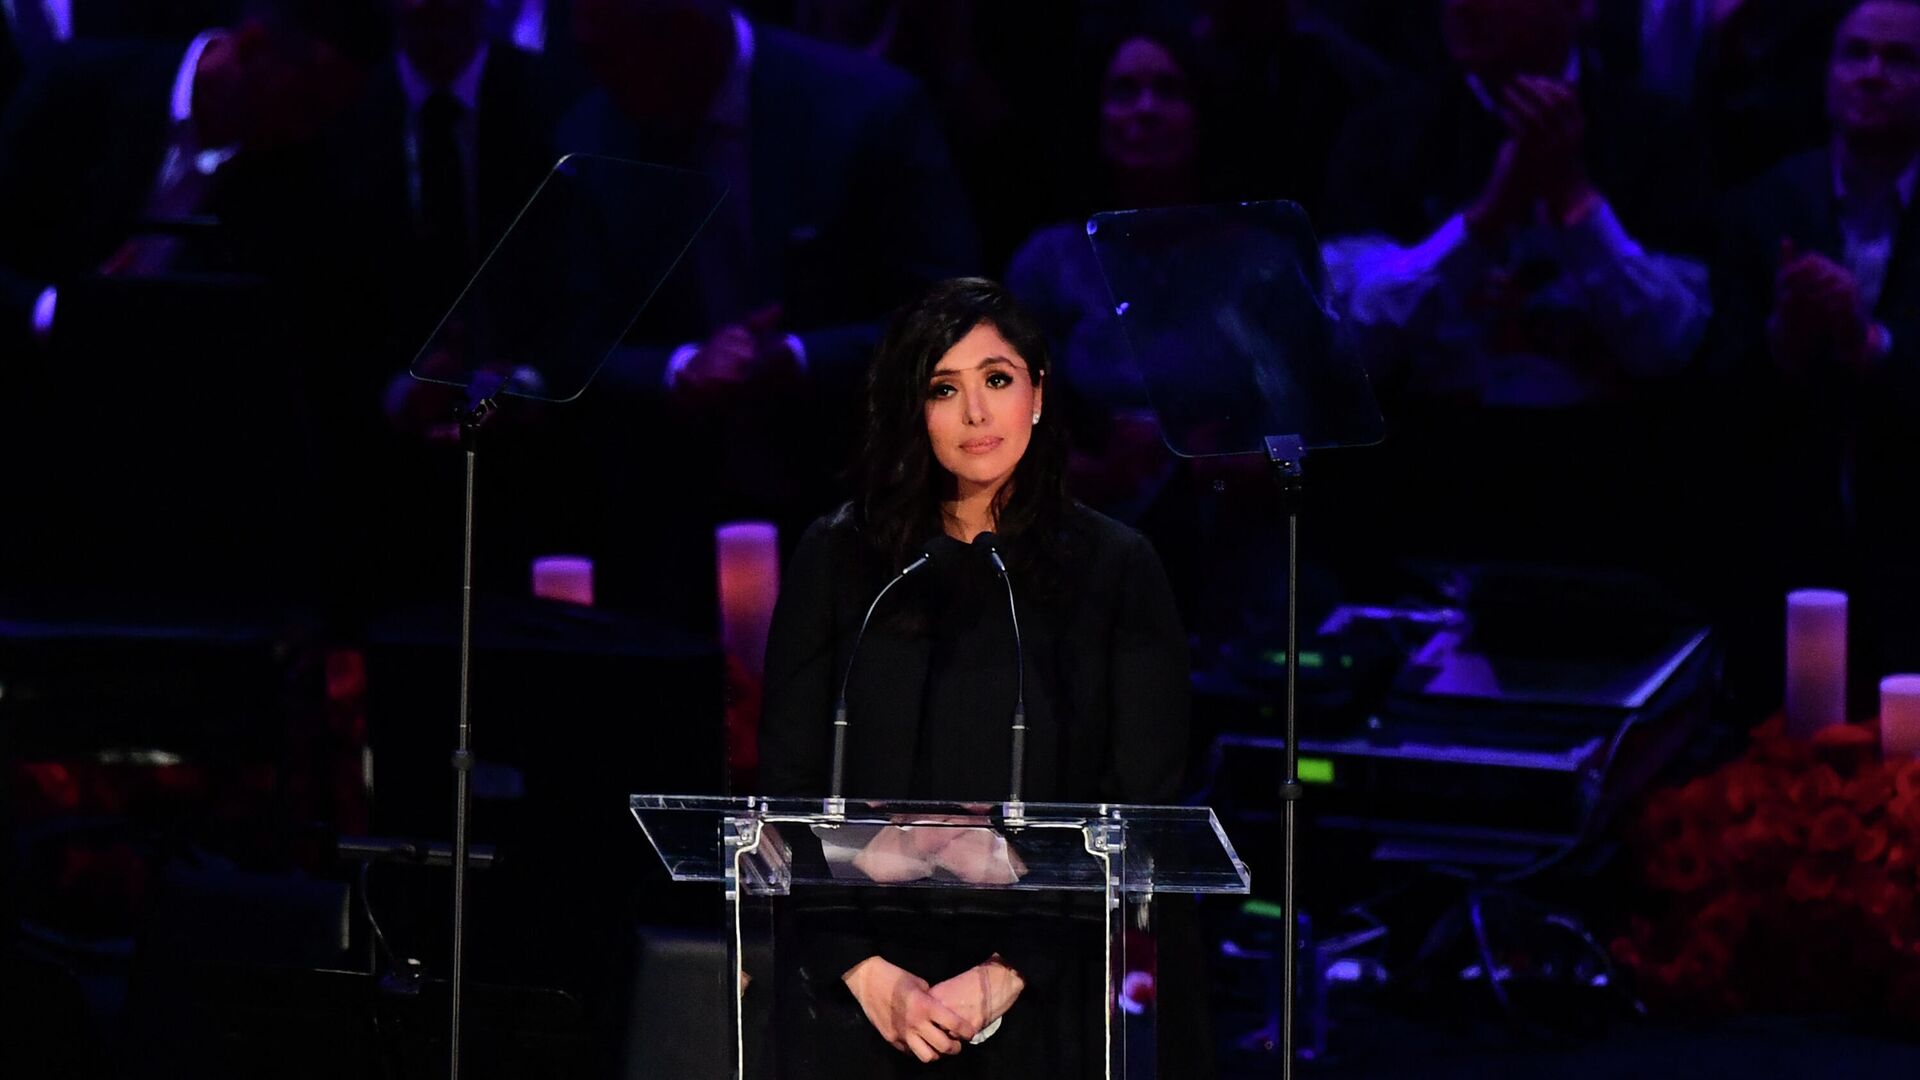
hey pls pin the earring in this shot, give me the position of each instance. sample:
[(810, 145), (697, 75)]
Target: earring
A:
[(1036, 418)]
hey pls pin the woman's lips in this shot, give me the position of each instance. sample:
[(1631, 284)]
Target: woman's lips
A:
[(986, 444)]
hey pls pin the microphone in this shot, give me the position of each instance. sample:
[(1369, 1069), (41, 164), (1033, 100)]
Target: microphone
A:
[(1015, 806), (836, 804)]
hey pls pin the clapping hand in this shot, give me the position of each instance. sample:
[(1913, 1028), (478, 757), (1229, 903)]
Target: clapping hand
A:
[(735, 358), (1816, 308), (1542, 163)]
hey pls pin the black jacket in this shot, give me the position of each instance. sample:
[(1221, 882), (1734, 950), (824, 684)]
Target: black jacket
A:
[(931, 696)]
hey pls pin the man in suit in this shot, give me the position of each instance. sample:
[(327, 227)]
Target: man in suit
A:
[(426, 173), (423, 177), (842, 204), (1817, 335), (842, 200), (109, 137)]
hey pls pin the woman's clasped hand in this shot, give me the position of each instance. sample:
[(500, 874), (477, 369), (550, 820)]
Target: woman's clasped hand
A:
[(931, 1021)]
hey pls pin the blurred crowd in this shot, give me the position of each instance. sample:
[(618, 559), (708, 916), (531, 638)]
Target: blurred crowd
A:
[(1632, 279)]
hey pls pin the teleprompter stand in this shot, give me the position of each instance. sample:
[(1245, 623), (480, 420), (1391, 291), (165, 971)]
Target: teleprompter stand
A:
[(553, 300), (1228, 324)]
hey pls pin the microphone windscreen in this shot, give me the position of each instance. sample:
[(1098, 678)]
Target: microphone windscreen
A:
[(990, 544)]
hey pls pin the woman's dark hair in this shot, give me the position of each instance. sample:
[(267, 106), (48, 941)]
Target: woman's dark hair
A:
[(900, 483)]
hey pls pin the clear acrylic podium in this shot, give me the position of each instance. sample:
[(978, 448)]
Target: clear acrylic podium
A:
[(1094, 858)]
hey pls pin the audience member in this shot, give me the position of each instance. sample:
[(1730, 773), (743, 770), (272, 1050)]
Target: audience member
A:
[(1155, 142), (111, 137), (841, 199), (1817, 297), (842, 203), (1149, 135), (1513, 263), (1512, 318), (423, 177), (444, 149), (1523, 287)]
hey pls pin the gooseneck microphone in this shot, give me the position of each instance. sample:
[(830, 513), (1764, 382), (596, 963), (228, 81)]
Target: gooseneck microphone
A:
[(836, 802), (1015, 806)]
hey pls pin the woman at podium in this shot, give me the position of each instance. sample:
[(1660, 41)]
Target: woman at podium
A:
[(964, 452)]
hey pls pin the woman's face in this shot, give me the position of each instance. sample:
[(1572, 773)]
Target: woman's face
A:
[(981, 404), (1147, 121)]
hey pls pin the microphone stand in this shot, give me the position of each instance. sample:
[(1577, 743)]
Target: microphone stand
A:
[(836, 799), (481, 407), (1016, 806), (1286, 454)]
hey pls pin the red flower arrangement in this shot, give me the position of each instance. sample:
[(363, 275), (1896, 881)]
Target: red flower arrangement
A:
[(1783, 881)]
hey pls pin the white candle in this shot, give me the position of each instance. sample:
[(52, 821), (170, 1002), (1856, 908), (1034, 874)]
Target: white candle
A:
[(564, 577), (748, 554), (1900, 716), (1816, 661)]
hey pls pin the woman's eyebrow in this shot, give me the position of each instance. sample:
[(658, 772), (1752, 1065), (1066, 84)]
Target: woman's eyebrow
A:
[(985, 362)]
